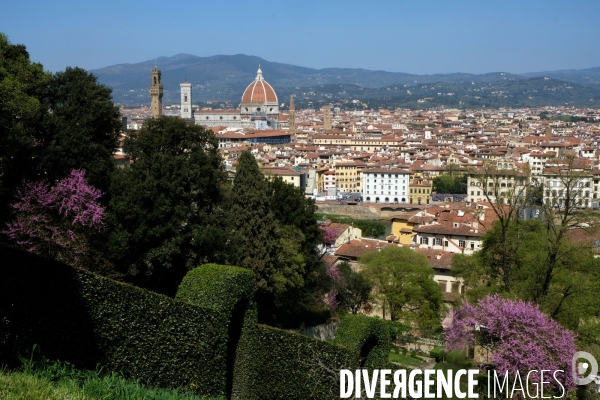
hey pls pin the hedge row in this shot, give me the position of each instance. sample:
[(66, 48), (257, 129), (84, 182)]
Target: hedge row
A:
[(229, 292), (292, 366), (85, 319), (213, 345), (368, 336)]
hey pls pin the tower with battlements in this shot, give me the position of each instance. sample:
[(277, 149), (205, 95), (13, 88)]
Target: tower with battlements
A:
[(156, 92)]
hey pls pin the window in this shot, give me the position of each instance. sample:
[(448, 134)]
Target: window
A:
[(424, 240), (442, 286), (461, 244), (438, 241)]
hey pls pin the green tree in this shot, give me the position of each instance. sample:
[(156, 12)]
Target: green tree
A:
[(372, 229), (297, 229), (165, 210), (80, 129), (259, 241), (22, 86), (403, 286), (353, 289)]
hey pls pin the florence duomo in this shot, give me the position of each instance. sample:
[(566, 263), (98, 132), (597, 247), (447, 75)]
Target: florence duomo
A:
[(259, 108)]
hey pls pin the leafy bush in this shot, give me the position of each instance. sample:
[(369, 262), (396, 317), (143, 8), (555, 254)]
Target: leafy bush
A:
[(368, 336), (291, 366), (85, 319), (438, 354), (229, 292), (458, 358)]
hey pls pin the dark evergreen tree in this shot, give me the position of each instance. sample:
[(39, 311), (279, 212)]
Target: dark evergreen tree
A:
[(294, 212), (260, 244), (164, 214), (22, 85), (81, 128)]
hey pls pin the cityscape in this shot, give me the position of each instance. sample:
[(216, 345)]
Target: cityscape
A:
[(300, 201)]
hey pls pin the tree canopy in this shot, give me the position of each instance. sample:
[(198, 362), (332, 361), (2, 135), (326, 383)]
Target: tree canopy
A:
[(402, 282), (519, 336), (81, 128), (164, 214)]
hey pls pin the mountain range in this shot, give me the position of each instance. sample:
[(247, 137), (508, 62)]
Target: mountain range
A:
[(223, 78)]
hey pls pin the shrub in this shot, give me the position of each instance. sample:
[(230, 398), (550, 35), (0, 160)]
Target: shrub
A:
[(438, 354), (85, 319), (368, 336), (229, 292), (292, 366)]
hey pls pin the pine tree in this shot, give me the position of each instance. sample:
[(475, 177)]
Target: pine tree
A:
[(254, 225)]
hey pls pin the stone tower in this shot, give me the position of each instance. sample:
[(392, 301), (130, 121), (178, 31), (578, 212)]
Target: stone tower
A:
[(186, 100), (292, 116), (156, 92), (326, 117)]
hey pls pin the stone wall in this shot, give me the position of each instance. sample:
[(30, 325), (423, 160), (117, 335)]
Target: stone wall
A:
[(352, 211)]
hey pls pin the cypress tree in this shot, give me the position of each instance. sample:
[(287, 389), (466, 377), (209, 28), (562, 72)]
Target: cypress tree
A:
[(253, 224)]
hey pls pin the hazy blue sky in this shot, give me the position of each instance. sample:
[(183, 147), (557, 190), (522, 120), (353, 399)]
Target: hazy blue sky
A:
[(416, 36)]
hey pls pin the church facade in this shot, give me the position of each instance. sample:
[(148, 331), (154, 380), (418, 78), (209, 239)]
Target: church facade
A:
[(259, 109)]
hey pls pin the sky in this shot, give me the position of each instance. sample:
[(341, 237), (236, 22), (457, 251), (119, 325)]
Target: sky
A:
[(414, 36)]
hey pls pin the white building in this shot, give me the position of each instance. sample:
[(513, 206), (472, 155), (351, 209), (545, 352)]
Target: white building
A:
[(385, 185), (186, 100)]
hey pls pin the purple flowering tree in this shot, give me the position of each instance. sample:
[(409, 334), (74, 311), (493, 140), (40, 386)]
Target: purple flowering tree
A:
[(56, 222), (518, 335)]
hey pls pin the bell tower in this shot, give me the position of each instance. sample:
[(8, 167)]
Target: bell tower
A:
[(292, 116), (186, 100), (156, 92), (326, 117)]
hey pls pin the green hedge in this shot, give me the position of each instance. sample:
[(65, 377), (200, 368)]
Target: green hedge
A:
[(229, 292), (86, 319), (368, 336), (292, 366)]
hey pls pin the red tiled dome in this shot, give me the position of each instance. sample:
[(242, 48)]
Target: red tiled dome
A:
[(259, 91)]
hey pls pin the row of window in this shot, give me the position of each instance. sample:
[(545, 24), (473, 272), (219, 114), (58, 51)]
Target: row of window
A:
[(441, 242), (424, 191)]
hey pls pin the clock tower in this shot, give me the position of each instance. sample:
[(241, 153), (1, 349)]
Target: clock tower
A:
[(156, 92)]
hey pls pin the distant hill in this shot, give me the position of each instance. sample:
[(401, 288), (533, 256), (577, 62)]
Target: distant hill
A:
[(224, 78)]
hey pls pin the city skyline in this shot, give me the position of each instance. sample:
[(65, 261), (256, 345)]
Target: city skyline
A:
[(425, 37)]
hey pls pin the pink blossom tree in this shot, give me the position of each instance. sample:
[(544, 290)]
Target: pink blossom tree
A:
[(329, 235), (56, 222), (518, 335)]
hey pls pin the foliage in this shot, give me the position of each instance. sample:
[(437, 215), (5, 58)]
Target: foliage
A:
[(86, 319), (55, 222), (229, 292), (23, 85), (352, 288), (164, 215), (403, 285), (291, 366), (438, 354), (536, 261), (59, 380), (265, 245), (450, 184), (368, 336), (373, 229), (519, 336), (81, 129)]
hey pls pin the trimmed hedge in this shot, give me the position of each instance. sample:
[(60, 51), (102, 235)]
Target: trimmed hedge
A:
[(292, 366), (76, 316), (368, 336), (229, 292)]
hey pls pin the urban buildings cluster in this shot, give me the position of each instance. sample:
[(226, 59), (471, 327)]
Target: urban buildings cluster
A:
[(389, 158)]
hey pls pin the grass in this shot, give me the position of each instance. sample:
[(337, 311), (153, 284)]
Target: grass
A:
[(61, 381), (404, 360)]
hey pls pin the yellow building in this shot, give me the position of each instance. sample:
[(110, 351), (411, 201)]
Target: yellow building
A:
[(419, 191)]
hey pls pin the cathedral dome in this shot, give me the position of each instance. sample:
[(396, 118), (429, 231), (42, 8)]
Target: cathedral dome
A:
[(259, 91)]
